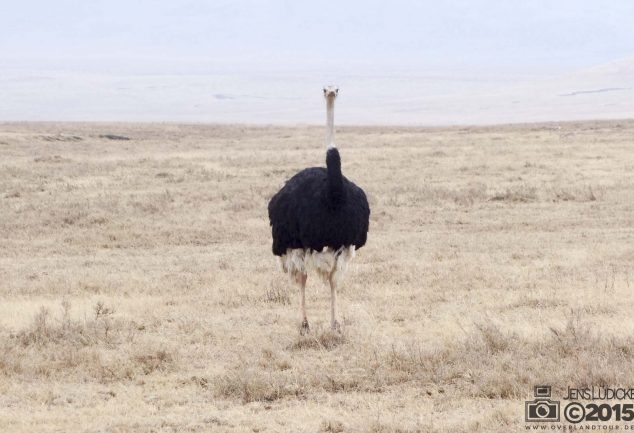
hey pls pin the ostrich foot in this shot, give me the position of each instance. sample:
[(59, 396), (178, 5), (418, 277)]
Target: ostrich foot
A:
[(304, 328), (335, 327)]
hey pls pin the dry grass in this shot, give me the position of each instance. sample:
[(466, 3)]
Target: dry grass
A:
[(139, 293), (91, 348)]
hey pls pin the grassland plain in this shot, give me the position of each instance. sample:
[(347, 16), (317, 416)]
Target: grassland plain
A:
[(138, 292)]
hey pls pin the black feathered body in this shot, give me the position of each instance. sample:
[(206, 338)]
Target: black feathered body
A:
[(317, 208)]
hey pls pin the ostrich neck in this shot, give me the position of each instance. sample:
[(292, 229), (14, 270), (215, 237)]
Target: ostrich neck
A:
[(330, 122)]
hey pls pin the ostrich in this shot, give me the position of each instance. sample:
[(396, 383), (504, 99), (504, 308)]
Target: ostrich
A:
[(319, 219)]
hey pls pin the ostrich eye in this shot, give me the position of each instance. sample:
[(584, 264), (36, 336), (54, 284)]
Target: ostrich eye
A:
[(325, 90), (336, 91)]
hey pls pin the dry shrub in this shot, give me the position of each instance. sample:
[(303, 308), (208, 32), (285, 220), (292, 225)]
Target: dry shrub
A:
[(272, 377), (520, 193), (578, 194), (331, 427), (489, 362), (271, 360), (324, 339), (527, 193), (493, 338), (494, 363), (45, 330), (342, 381), (155, 360), (268, 379), (248, 385), (378, 427), (277, 295), (103, 347)]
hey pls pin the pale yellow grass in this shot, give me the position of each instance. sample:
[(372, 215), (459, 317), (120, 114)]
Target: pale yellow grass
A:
[(138, 292)]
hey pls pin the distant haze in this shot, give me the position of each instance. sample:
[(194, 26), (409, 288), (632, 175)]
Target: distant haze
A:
[(265, 61)]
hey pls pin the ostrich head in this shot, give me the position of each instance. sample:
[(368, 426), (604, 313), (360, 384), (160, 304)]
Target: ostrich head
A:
[(330, 92)]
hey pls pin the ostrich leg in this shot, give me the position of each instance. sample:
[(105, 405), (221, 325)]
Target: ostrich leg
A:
[(301, 280), (334, 325)]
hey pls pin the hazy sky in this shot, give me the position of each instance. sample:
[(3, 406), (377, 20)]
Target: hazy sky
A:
[(400, 62), (142, 35)]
